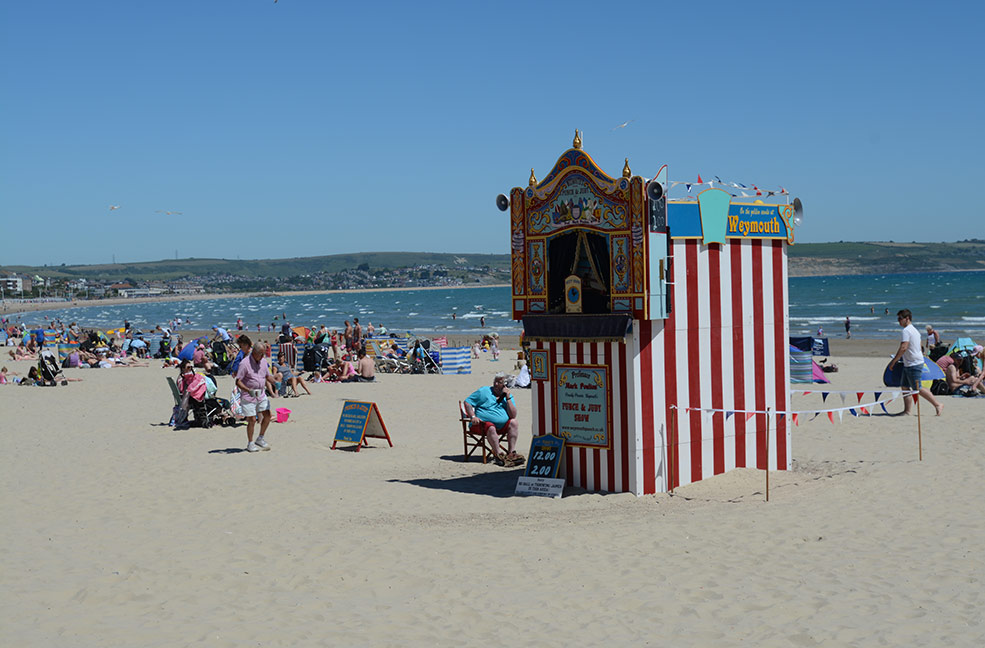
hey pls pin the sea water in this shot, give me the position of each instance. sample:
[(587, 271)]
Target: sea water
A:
[(953, 302)]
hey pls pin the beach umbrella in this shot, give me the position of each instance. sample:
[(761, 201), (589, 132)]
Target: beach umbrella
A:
[(302, 331), (931, 372)]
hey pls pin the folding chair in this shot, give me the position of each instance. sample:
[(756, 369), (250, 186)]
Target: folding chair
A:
[(475, 437)]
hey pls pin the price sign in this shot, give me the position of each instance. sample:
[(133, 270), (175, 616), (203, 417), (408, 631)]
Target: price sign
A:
[(541, 478), (545, 456)]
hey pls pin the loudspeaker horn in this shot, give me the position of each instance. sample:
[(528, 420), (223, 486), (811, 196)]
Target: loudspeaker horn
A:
[(502, 202), (798, 212), (654, 190)]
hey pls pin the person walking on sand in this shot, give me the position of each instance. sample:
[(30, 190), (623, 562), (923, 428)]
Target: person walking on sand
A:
[(848, 328), (909, 352), (251, 378)]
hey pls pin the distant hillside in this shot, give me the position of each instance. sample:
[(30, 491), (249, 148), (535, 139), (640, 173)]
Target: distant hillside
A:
[(171, 269), (806, 259)]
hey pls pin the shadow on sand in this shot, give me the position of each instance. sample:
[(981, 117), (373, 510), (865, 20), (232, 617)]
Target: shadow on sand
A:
[(493, 484)]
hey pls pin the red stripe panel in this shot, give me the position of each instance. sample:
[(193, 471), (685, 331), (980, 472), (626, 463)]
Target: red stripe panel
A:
[(646, 410), (693, 346), (780, 342), (738, 354), (717, 361), (670, 387), (759, 350)]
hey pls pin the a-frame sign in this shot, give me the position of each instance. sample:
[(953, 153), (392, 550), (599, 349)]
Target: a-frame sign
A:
[(360, 420)]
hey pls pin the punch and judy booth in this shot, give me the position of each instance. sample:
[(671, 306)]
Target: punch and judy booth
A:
[(657, 327)]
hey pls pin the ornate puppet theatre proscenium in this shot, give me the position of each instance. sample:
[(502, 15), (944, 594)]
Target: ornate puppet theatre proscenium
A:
[(645, 313)]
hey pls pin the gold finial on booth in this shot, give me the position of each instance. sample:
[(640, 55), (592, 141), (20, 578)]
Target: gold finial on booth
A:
[(577, 142), (625, 170), (533, 178)]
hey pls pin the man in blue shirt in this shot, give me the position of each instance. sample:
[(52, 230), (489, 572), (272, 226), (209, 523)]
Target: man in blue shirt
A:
[(221, 334), (494, 411)]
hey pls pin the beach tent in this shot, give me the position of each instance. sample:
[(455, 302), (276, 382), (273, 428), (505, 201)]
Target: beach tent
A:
[(931, 372), (962, 344), (188, 351), (302, 332)]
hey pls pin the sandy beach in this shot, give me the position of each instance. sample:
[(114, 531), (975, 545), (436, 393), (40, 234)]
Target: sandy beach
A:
[(120, 531)]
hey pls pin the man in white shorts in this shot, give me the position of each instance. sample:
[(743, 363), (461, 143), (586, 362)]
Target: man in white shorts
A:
[(251, 378)]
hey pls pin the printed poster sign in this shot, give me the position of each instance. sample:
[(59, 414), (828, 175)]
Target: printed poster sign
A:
[(359, 420), (584, 405)]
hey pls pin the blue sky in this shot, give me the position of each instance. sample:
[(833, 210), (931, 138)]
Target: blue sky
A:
[(302, 128)]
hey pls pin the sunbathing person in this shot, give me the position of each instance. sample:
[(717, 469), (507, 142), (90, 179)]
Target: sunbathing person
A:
[(283, 374), (341, 371), (365, 369), (962, 382)]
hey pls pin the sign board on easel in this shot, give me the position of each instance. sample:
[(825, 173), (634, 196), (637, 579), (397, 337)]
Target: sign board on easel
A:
[(360, 420), (541, 477)]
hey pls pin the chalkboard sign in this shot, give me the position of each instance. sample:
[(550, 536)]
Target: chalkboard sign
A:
[(545, 456), (359, 420)]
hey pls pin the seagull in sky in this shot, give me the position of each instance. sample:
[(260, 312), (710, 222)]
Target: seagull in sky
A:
[(112, 207), (622, 125), (168, 213)]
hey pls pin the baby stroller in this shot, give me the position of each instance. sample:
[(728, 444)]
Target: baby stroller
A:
[(218, 411), (165, 349), (220, 356), (48, 367)]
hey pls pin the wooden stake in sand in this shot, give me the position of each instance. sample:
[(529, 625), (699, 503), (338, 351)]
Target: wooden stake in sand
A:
[(767, 454), (919, 428)]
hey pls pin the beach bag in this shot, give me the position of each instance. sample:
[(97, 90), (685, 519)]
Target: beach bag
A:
[(236, 403), (179, 417), (939, 387)]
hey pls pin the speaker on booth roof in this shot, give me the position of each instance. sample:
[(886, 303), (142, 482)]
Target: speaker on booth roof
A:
[(654, 190), (798, 212), (502, 202), (658, 206)]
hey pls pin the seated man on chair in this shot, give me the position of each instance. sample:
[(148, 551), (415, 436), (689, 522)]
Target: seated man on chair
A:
[(493, 409)]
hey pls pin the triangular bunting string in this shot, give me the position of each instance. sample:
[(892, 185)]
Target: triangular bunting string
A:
[(749, 415), (842, 395), (831, 416), (852, 410), (841, 416), (878, 394), (859, 395), (865, 411), (794, 417), (824, 397)]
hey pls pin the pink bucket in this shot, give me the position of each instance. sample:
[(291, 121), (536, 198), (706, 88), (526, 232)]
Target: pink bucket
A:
[(282, 414)]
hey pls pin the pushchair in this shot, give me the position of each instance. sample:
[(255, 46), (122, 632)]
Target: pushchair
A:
[(48, 367), (220, 357)]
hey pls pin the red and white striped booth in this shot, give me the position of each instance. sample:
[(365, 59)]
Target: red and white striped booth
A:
[(642, 314)]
